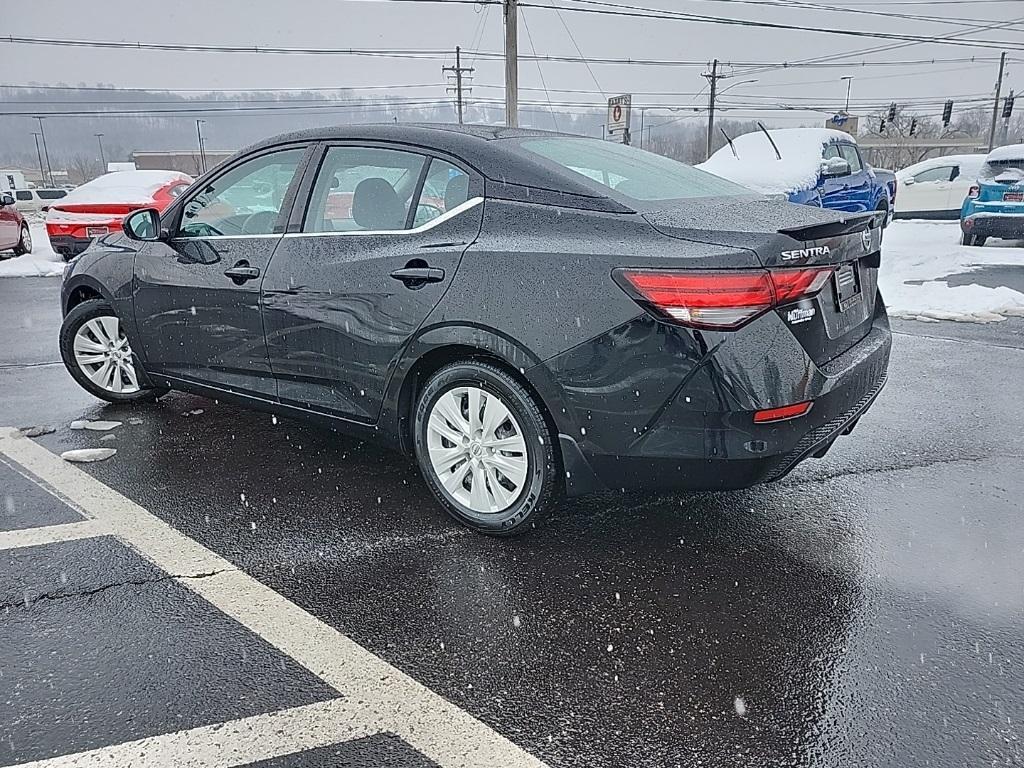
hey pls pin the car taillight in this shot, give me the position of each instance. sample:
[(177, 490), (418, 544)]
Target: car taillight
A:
[(720, 300), (974, 191)]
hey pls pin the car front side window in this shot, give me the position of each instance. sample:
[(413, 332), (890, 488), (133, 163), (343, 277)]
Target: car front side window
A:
[(244, 201), (852, 156), (934, 174)]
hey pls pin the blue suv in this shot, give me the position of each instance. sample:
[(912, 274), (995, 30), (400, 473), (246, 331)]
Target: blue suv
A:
[(994, 206)]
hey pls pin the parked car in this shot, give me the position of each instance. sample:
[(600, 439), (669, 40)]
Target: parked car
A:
[(566, 315), (37, 199), (936, 188), (810, 166), (15, 234), (97, 207), (888, 178), (995, 202)]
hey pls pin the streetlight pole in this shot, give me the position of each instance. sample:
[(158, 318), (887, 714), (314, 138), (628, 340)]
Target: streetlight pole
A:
[(46, 152), (103, 157), (202, 147), (39, 154), (849, 86)]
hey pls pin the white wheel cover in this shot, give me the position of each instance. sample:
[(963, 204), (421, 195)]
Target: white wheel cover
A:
[(103, 355), (477, 449)]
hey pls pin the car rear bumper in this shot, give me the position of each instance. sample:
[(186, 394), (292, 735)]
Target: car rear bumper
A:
[(68, 246), (700, 435), (1003, 225)]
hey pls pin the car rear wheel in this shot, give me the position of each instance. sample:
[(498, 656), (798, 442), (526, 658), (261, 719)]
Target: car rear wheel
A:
[(976, 240), (96, 353), (485, 449), (24, 242)]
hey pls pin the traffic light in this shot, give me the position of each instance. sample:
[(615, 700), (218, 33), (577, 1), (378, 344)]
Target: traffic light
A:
[(881, 126), (913, 126), (892, 112), (947, 112), (1008, 106)]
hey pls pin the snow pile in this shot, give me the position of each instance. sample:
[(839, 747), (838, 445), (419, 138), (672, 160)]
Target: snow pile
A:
[(918, 255), (42, 262), (1009, 152), (755, 164), (129, 187)]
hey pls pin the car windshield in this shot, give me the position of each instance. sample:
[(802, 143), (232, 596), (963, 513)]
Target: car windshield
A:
[(632, 172)]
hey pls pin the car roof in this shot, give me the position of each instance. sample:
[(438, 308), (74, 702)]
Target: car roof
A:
[(493, 151)]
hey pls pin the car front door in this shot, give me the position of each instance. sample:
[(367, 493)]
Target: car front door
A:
[(360, 269), (931, 190), (834, 188), (197, 292), (858, 194)]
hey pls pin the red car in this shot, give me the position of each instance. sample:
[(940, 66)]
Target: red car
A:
[(99, 206), (14, 232)]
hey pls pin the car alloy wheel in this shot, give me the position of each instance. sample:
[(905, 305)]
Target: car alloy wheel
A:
[(477, 449), (26, 240), (104, 356)]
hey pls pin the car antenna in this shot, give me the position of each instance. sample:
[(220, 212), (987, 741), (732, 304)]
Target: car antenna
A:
[(765, 132), (730, 143)]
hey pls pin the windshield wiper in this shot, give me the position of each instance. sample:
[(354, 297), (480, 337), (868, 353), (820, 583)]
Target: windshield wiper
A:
[(770, 139)]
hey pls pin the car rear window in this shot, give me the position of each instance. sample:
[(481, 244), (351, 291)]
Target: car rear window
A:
[(51, 194), (631, 172), (993, 169)]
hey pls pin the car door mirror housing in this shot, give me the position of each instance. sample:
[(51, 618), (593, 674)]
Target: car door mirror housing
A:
[(835, 166), (6, 199), (908, 181), (143, 225)]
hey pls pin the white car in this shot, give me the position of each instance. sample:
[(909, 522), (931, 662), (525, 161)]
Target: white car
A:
[(936, 188), (33, 200)]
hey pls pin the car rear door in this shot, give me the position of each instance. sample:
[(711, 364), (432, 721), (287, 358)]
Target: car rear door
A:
[(197, 293), (362, 265)]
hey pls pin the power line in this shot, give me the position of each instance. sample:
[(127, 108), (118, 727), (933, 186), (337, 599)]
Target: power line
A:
[(540, 71), (577, 47)]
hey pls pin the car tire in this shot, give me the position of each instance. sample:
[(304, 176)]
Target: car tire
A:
[(499, 491), (96, 353), (966, 239), (24, 242)]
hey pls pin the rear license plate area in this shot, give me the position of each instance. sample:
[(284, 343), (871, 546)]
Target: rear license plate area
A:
[(95, 231), (846, 281), (1013, 197)]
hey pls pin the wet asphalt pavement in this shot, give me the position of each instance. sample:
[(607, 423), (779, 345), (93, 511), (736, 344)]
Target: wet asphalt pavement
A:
[(867, 610)]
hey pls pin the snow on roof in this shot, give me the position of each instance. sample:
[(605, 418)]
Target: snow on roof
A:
[(969, 165), (123, 187), (1009, 152), (756, 165)]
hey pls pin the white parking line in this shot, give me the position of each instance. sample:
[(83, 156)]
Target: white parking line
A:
[(387, 698), (51, 534), (234, 743)]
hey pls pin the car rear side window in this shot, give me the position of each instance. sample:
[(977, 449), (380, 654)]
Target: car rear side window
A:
[(444, 188), (244, 201), (631, 172), (23, 194), (363, 189)]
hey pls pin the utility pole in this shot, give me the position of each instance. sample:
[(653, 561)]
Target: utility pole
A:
[(46, 152), (849, 87), (39, 154), (713, 79), (511, 63), (202, 146), (103, 158), (458, 70), (995, 104)]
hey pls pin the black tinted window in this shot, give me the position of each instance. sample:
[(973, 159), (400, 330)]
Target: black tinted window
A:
[(51, 194), (23, 195)]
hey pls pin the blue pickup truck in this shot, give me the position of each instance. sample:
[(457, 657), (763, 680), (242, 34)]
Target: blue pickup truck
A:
[(811, 166)]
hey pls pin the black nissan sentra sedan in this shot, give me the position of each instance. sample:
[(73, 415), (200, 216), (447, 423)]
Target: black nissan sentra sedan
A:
[(529, 314)]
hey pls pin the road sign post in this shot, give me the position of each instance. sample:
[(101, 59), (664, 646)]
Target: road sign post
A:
[(618, 118)]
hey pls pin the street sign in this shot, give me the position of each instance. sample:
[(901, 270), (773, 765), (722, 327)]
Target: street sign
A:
[(617, 124)]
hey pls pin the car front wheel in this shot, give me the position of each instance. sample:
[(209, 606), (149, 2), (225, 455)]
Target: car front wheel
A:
[(485, 449), (96, 353)]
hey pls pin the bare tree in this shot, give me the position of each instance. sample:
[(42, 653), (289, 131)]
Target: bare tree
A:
[(83, 168)]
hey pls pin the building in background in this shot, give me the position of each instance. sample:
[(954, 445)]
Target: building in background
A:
[(187, 161)]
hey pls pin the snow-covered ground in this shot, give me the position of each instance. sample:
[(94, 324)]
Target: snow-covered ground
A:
[(917, 257), (42, 262)]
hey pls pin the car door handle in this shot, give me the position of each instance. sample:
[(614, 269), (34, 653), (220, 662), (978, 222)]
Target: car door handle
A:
[(418, 275), (242, 272)]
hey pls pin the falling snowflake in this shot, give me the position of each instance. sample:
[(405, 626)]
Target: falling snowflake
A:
[(740, 706), (516, 622)]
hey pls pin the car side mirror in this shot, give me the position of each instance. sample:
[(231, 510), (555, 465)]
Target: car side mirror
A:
[(6, 199), (835, 166), (908, 181), (143, 225)]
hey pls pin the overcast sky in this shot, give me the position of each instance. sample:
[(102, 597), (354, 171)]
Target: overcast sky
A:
[(379, 24)]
